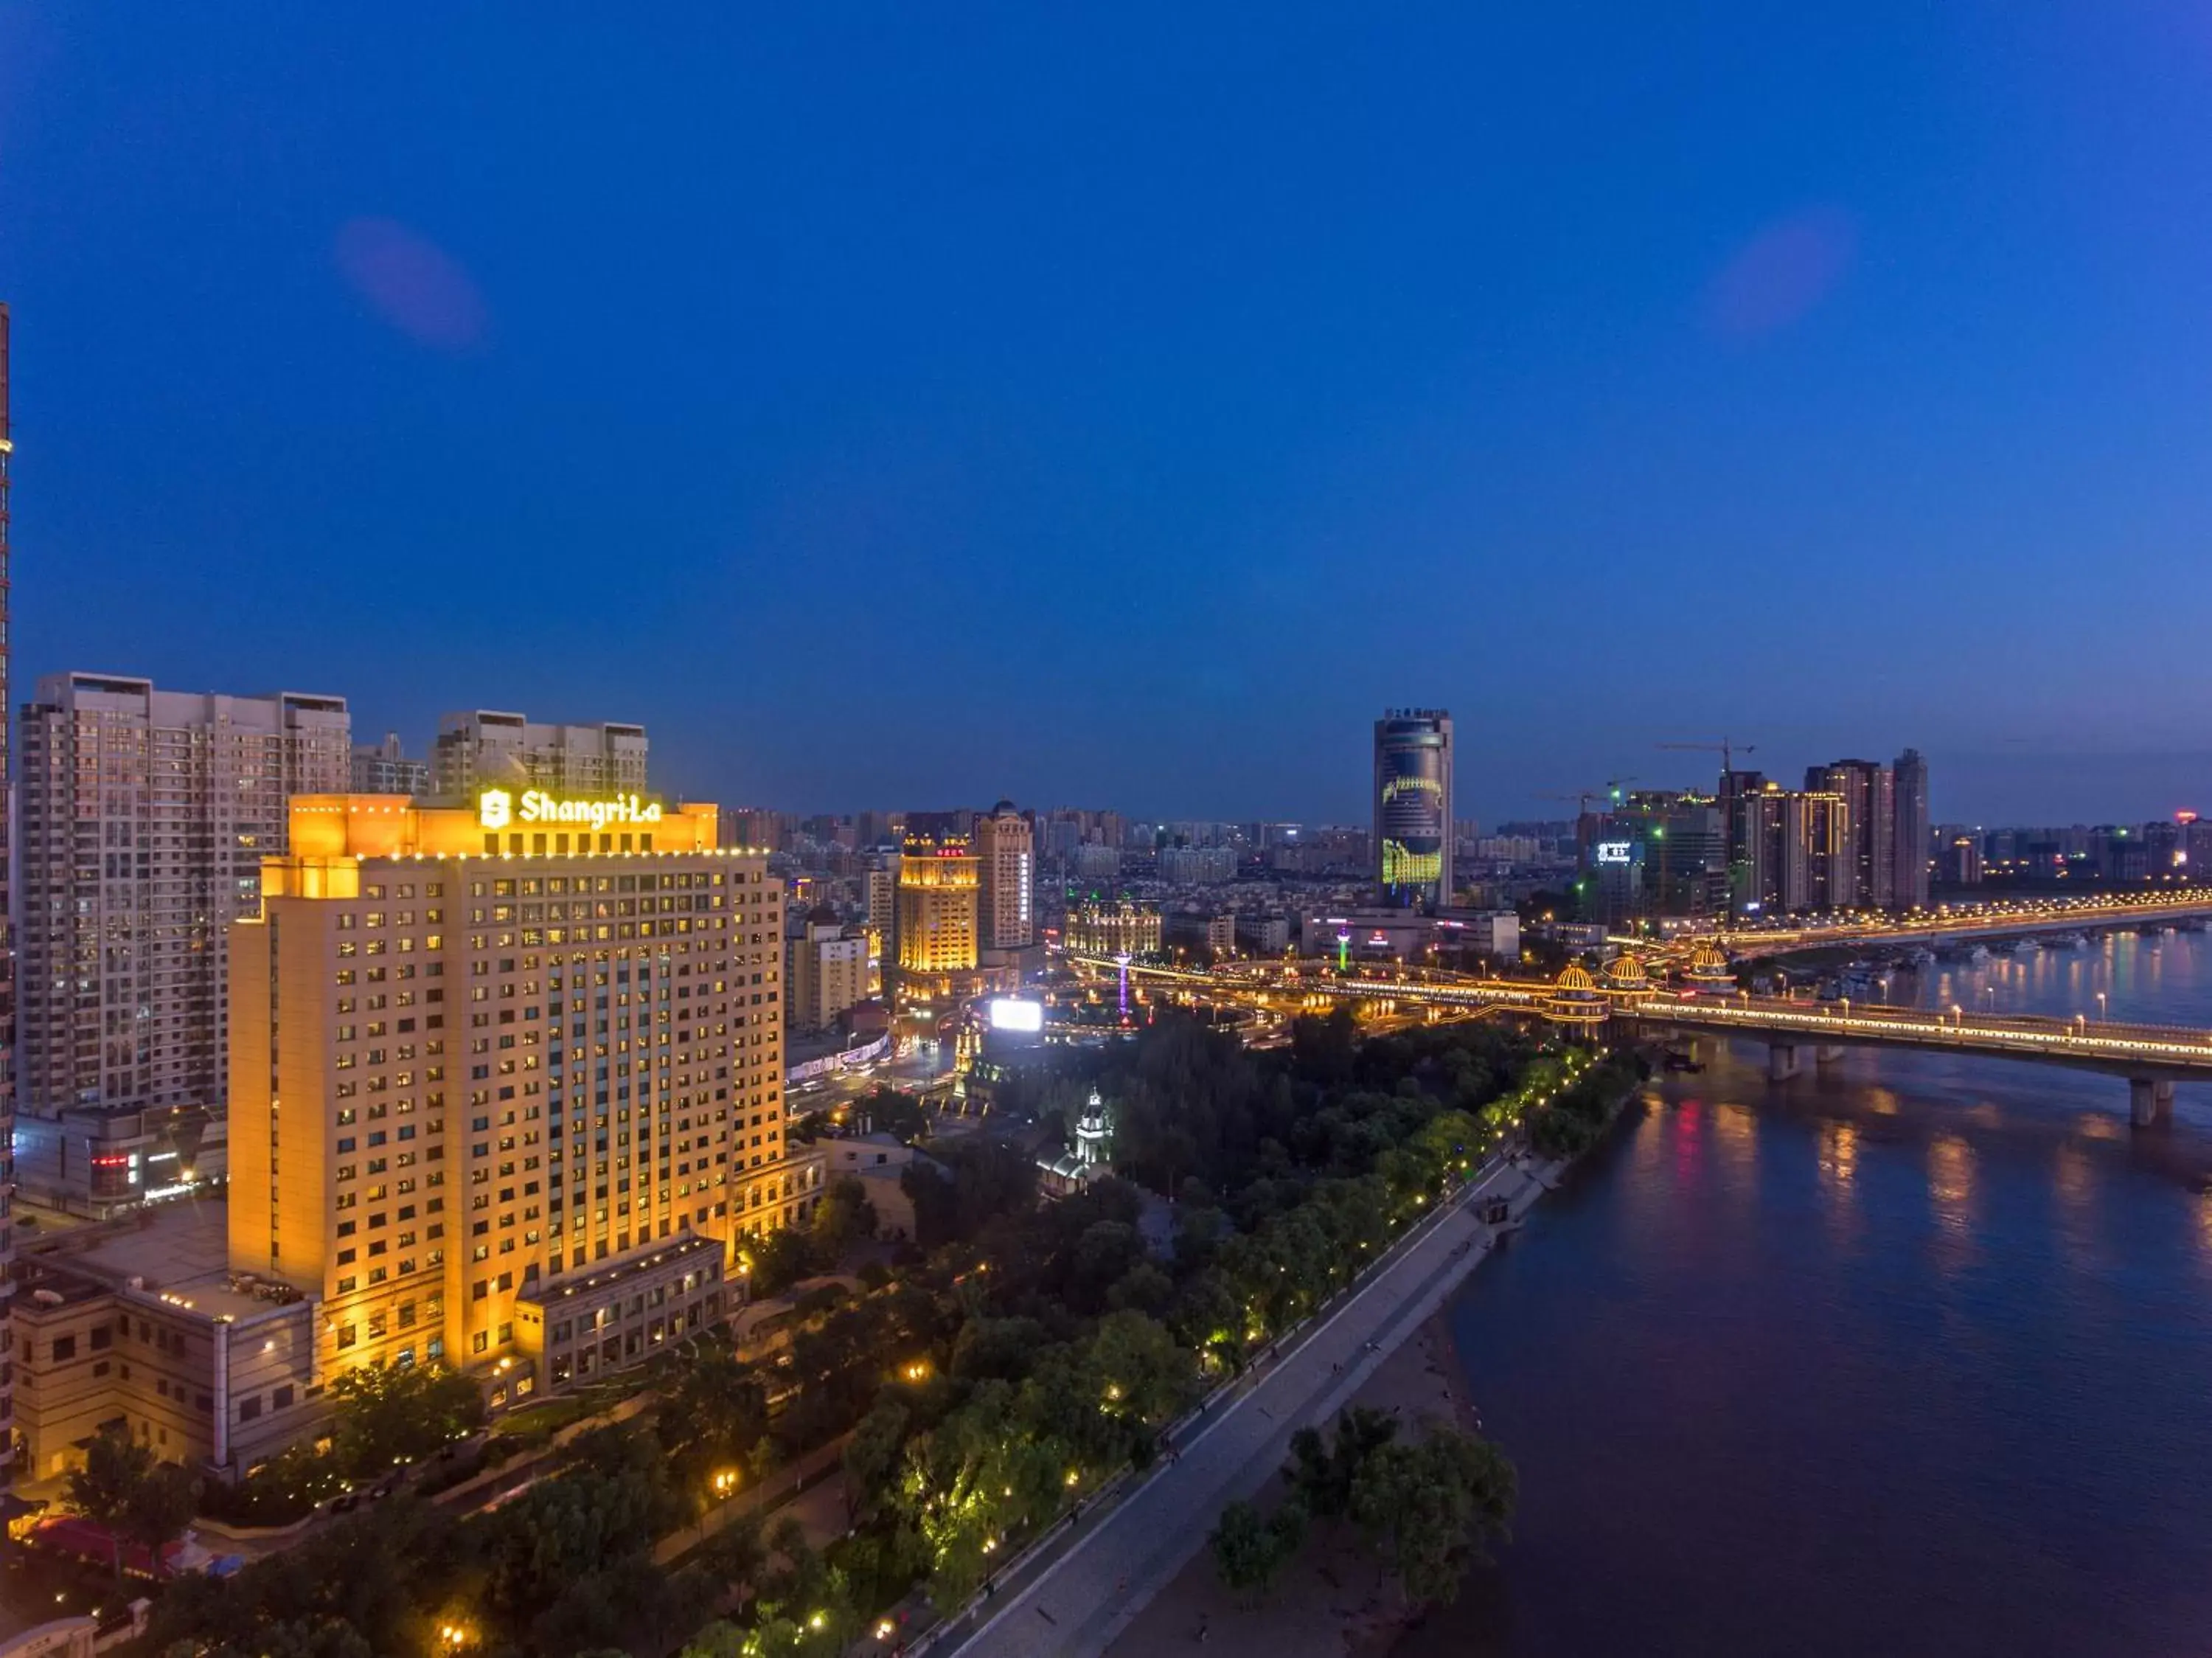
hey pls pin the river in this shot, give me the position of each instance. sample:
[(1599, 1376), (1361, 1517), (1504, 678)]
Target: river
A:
[(1913, 1356)]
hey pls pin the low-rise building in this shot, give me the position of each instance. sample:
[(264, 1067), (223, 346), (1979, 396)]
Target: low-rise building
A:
[(98, 1160), (572, 1331), (145, 1325), (879, 1162)]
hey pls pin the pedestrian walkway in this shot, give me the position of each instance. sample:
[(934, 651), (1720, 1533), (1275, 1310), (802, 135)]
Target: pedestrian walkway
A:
[(1075, 1607)]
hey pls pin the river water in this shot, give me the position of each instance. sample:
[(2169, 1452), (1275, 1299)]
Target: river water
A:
[(1910, 1357)]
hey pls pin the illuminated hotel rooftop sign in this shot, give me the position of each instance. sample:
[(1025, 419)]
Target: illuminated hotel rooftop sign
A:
[(498, 808)]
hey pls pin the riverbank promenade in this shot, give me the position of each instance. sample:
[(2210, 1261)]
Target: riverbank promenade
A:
[(1074, 1605)]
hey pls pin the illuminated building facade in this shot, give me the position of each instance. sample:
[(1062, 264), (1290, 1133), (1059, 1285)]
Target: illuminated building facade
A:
[(939, 887), (485, 748), (1867, 791), (496, 1056), (1413, 808), (1109, 929), (829, 970), (1857, 837), (145, 816), (1005, 849)]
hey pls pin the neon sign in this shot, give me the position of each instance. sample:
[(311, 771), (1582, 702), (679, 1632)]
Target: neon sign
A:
[(496, 809), (1615, 852)]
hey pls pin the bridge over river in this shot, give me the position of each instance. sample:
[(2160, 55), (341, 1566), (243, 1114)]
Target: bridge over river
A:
[(2151, 1058)]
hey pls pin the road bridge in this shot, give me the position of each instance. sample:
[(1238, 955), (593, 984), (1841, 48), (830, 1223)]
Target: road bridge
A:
[(1967, 924), (2151, 1058)]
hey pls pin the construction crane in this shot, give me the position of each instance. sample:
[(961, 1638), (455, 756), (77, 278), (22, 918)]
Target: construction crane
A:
[(1609, 792), (1725, 748)]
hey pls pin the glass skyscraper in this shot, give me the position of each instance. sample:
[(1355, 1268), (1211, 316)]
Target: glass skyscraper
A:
[(1413, 846)]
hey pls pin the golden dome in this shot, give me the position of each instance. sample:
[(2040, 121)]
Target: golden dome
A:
[(1626, 970), (1574, 978), (1707, 959)]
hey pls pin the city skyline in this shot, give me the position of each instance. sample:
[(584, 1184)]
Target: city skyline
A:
[(867, 349)]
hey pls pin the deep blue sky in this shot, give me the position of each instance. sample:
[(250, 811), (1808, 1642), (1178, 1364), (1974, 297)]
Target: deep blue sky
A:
[(902, 404)]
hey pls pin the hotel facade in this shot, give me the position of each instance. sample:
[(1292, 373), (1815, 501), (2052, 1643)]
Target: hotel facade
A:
[(501, 1072)]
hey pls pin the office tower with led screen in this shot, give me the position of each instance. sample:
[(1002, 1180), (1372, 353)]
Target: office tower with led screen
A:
[(144, 817), (1413, 806), (507, 1079), (1006, 863)]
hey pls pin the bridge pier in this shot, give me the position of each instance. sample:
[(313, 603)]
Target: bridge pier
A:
[(1828, 1052), (1781, 1061), (2150, 1102)]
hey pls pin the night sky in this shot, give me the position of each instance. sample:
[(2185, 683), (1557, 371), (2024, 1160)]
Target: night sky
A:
[(912, 405)]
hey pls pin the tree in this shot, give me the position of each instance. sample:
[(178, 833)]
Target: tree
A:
[(1429, 1508), (712, 1414), (1249, 1550), (871, 1455), (160, 1508), (104, 1489), (1323, 1472), (779, 1260), (388, 1414), (844, 1217)]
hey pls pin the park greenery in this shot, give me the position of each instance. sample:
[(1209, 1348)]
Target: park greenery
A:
[(1027, 1353)]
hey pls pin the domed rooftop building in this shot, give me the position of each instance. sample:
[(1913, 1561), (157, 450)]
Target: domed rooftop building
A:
[(1709, 969), (1575, 1001), (1625, 976)]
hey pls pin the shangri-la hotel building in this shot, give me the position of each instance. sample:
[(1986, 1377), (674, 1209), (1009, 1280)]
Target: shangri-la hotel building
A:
[(506, 1080)]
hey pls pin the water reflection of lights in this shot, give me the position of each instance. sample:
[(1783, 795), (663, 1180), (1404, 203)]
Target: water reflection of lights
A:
[(1951, 1175), (2076, 1183), (1839, 1153), (1735, 1134)]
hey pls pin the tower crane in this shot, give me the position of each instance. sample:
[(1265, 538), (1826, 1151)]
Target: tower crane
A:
[(1725, 748), (1609, 792)]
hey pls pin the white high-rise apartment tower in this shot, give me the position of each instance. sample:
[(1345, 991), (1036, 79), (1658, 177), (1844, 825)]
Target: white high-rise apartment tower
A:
[(483, 747), (145, 815)]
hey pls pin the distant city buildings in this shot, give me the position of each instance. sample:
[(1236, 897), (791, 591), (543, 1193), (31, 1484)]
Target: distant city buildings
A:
[(384, 769), (483, 747), (1197, 866), (1412, 816), (1092, 861), (1202, 933), (145, 817)]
